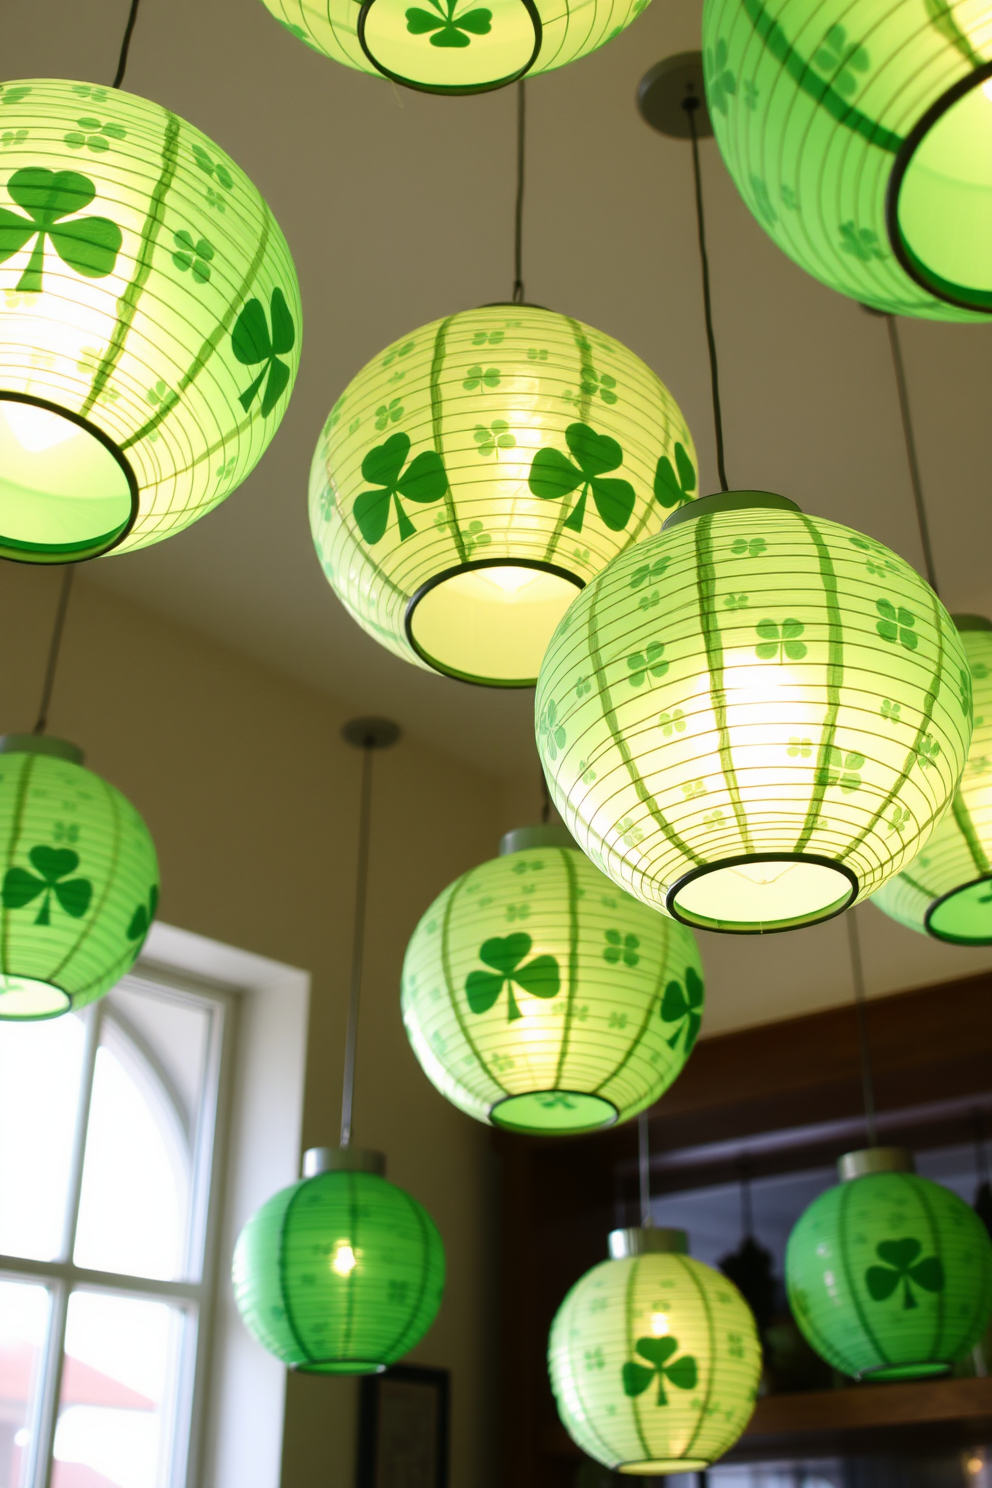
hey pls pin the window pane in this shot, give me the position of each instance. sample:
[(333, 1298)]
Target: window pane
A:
[(40, 1065), (119, 1388), (23, 1324)]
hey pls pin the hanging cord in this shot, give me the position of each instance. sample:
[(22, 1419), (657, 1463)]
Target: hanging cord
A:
[(54, 648), (911, 456), (358, 941), (690, 105), (747, 1212), (126, 44), (545, 801), (644, 1170), (858, 976), (518, 235)]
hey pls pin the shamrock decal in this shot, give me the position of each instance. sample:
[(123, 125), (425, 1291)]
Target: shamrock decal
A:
[(780, 641), (742, 548), (800, 748), (639, 1377), (900, 1264), (673, 488), (650, 660), (505, 954), (891, 710), (94, 135), (54, 864), (212, 168), (553, 476), (860, 242), (720, 83), (89, 245), (423, 481), (388, 413), (551, 730), (252, 344), (141, 920), (595, 384), (649, 573), (841, 59), (481, 378), (191, 255), (842, 769), (621, 947), (673, 722), (896, 624), (493, 439), (449, 30), (682, 1006)]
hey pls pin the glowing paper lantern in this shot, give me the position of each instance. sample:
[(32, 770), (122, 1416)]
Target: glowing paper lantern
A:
[(770, 741), (341, 1273), (538, 997), (947, 891), (654, 1358), (151, 322), (857, 133), (78, 880), (474, 476), (888, 1274)]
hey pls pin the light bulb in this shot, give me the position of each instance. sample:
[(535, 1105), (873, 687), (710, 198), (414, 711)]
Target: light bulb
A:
[(37, 429), (659, 1324), (987, 89), (509, 578), (344, 1261)]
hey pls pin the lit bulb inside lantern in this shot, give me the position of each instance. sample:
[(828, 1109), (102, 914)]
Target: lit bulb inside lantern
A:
[(37, 429), (510, 578), (344, 1261), (659, 1324)]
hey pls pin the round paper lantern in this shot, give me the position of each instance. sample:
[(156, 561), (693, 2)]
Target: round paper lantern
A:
[(151, 322), (889, 1275), (78, 880), (540, 998), (947, 891), (856, 131), (476, 474), (454, 46), (773, 738), (654, 1358), (341, 1273)]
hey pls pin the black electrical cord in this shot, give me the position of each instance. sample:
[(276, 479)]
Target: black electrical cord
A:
[(644, 1170), (358, 940), (911, 455), (691, 104), (518, 236), (858, 976), (54, 648), (126, 44)]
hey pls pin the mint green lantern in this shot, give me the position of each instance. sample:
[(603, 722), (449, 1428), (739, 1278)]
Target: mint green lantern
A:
[(151, 322), (539, 998), (78, 880), (474, 476), (889, 1275), (341, 1273), (754, 719), (946, 892), (654, 1358)]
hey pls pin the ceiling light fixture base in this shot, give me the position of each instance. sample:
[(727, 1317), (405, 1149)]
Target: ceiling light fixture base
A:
[(668, 91), (370, 733)]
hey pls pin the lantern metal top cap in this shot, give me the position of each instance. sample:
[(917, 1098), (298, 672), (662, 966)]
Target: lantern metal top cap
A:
[(647, 1240), (874, 1160), (548, 834), (343, 1160), (371, 733), (705, 506), (41, 744), (667, 93), (972, 622)]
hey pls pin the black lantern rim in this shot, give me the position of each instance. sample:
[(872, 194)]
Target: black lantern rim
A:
[(796, 923)]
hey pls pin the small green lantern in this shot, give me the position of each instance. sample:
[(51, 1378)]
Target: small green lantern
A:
[(151, 323), (477, 473), (946, 892), (540, 998), (771, 739), (341, 1273), (654, 1358), (78, 880), (889, 1275), (857, 131)]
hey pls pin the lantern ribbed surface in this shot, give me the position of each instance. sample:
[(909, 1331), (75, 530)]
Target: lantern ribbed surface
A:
[(151, 322), (946, 892), (540, 998), (78, 880), (890, 1276), (857, 133), (455, 46), (775, 735), (341, 1273), (478, 472), (654, 1363)]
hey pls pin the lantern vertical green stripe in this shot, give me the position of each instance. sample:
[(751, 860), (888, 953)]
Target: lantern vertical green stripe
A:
[(889, 1275), (151, 325), (774, 739), (857, 131), (474, 476), (946, 891)]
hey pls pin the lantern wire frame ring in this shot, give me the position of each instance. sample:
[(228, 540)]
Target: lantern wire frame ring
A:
[(454, 90), (700, 921)]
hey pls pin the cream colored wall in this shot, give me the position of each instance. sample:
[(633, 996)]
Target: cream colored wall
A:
[(252, 800)]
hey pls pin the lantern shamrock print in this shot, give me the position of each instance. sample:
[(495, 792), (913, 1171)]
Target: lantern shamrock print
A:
[(538, 997), (151, 323), (471, 479)]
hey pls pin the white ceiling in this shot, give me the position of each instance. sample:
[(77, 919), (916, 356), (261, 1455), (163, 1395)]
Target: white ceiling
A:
[(398, 209)]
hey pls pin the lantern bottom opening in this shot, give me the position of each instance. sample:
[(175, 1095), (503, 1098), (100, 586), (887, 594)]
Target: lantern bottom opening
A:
[(66, 491), (340, 1366), (26, 999), (759, 893), (905, 1371), (555, 1111), (490, 621), (658, 1466), (964, 916)]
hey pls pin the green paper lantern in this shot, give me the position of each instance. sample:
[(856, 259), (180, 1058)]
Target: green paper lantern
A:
[(857, 133), (772, 739), (341, 1273), (477, 473), (889, 1275), (151, 323), (654, 1358), (947, 891), (539, 998), (454, 46), (78, 880)]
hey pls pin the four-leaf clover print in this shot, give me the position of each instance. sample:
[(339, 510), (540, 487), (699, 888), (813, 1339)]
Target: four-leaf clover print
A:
[(195, 256), (648, 660), (449, 29), (551, 730), (388, 413), (505, 955), (94, 135), (840, 59), (780, 642), (896, 624), (673, 487), (252, 343), (901, 1263), (637, 1378), (842, 769), (595, 384), (682, 1006), (89, 245), (860, 242), (52, 866), (480, 378), (720, 82), (553, 476), (424, 480), (621, 948)]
